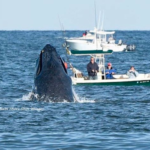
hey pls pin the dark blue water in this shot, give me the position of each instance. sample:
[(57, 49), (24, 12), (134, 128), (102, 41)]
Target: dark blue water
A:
[(106, 117)]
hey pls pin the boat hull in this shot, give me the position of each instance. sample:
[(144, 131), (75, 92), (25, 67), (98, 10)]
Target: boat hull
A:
[(82, 45), (143, 79), (114, 47), (85, 45), (127, 83)]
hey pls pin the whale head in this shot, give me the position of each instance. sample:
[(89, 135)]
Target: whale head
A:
[(51, 81)]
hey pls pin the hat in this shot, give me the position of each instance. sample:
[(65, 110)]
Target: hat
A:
[(109, 64)]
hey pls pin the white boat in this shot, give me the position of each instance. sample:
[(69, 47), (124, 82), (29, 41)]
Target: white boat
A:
[(122, 79), (78, 77), (95, 40)]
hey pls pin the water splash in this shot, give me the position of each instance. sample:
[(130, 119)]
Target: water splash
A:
[(27, 97), (79, 99), (85, 100), (30, 96)]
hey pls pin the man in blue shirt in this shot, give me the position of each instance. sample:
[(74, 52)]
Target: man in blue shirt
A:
[(109, 71)]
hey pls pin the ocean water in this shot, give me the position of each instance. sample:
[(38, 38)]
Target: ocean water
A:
[(106, 117)]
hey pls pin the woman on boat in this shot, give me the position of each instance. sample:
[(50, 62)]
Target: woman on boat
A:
[(132, 73), (92, 69), (110, 71)]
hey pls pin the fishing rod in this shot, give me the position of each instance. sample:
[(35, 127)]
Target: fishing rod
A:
[(67, 52)]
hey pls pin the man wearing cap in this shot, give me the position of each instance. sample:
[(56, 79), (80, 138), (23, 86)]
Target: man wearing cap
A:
[(92, 69), (109, 71)]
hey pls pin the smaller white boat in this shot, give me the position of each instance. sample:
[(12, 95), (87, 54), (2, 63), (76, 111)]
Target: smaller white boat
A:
[(121, 80), (95, 40), (118, 79)]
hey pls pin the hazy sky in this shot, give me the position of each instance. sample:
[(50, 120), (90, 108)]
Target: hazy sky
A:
[(74, 14)]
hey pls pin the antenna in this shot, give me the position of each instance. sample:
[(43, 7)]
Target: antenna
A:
[(95, 13), (102, 21), (98, 26)]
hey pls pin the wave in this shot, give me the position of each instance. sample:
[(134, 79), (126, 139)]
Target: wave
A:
[(32, 96), (27, 97), (79, 99)]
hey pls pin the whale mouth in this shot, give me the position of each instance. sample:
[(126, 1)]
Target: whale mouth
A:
[(62, 62), (39, 65), (48, 58)]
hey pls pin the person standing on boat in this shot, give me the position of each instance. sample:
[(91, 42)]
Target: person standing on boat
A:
[(132, 73), (92, 69), (85, 33), (110, 71)]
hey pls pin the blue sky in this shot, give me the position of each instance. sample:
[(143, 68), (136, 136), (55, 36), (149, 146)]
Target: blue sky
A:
[(74, 14)]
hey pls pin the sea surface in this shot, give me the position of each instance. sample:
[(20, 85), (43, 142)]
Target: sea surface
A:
[(105, 117)]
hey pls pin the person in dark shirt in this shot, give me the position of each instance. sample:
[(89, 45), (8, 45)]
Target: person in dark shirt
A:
[(109, 71), (92, 69)]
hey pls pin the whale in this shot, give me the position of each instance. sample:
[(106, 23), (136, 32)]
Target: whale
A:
[(51, 80)]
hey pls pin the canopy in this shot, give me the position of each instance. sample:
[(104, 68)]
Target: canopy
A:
[(102, 32)]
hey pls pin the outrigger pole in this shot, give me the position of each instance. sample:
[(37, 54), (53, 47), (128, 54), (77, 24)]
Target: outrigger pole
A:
[(95, 13), (102, 21), (98, 25)]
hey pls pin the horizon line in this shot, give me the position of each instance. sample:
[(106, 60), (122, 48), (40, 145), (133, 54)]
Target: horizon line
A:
[(74, 30)]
